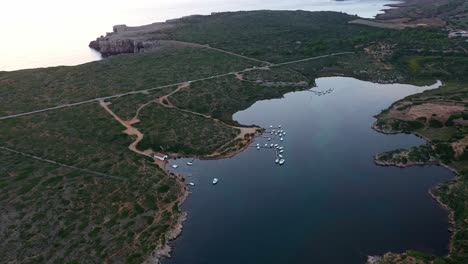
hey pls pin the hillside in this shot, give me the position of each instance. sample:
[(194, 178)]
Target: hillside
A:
[(78, 142)]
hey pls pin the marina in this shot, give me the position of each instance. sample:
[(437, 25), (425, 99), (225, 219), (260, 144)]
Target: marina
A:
[(328, 185)]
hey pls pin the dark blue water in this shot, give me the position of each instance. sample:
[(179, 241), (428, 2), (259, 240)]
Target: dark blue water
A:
[(329, 203)]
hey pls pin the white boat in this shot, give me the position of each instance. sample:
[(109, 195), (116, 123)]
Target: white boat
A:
[(215, 180), (276, 145), (281, 151), (276, 161), (258, 144), (284, 133), (281, 139), (282, 161), (175, 166), (190, 163), (258, 147), (269, 139), (271, 145), (280, 147), (281, 156), (271, 133), (191, 184), (279, 126), (271, 126)]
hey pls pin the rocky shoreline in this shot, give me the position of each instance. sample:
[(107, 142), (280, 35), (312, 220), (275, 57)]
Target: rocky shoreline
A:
[(395, 257), (164, 250)]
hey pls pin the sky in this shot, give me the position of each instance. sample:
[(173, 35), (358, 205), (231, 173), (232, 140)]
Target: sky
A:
[(57, 32)]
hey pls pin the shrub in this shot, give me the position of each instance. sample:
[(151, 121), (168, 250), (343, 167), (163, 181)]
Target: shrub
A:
[(434, 123)]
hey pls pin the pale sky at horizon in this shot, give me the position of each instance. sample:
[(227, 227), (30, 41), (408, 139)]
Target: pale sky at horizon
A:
[(57, 32)]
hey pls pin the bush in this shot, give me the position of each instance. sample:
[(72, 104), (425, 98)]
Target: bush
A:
[(434, 123)]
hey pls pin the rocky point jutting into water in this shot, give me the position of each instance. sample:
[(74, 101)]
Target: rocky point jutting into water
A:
[(125, 39)]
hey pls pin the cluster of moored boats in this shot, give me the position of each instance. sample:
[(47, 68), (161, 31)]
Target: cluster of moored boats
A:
[(190, 163), (320, 93), (275, 134)]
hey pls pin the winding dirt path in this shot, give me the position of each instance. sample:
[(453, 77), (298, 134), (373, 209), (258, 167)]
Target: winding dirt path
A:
[(131, 131), (98, 99), (242, 130)]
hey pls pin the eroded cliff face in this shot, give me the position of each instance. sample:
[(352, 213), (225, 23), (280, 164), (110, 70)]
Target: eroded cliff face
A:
[(126, 39), (108, 47)]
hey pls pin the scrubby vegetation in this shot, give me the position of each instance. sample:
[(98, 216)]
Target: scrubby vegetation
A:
[(222, 97), (56, 214), (60, 214), (170, 130), (29, 90), (448, 144)]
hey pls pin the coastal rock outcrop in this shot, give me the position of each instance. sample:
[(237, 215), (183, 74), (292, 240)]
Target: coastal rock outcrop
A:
[(108, 47), (124, 39)]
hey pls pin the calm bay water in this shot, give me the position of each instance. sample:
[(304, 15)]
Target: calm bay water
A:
[(329, 203), (55, 32)]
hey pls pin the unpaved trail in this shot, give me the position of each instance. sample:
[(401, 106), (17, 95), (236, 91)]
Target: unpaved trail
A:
[(166, 97), (243, 130), (131, 131), (99, 174), (98, 99)]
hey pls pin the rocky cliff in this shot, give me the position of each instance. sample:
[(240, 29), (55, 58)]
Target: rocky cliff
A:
[(108, 47), (126, 39)]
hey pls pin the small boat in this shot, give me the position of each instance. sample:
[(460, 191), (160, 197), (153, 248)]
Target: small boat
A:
[(279, 126), (271, 126), (281, 151), (276, 161), (282, 161), (269, 139), (280, 147), (284, 133), (175, 166), (215, 180), (281, 156), (271, 133), (276, 145), (271, 145), (191, 184), (266, 145), (190, 163), (281, 139), (258, 144), (258, 147)]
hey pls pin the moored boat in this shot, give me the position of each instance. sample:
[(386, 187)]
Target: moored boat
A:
[(215, 180)]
